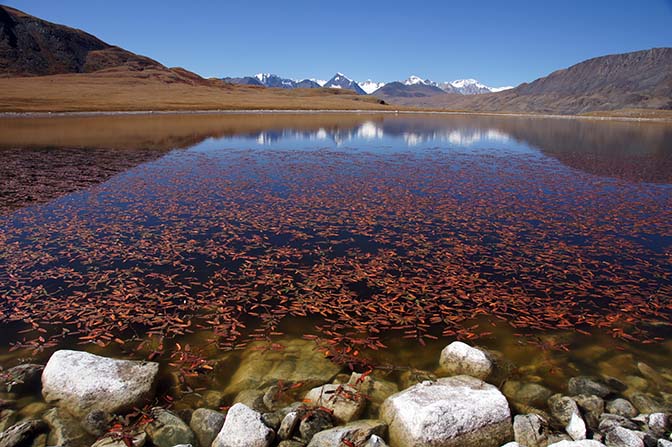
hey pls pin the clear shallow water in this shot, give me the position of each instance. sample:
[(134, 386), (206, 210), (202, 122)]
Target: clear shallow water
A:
[(380, 238)]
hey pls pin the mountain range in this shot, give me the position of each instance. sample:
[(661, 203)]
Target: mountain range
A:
[(49, 67), (413, 86)]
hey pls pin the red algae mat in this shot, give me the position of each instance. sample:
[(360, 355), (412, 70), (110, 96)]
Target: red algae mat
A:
[(391, 235)]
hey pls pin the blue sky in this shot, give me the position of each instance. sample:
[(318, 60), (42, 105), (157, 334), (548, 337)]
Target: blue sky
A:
[(497, 42)]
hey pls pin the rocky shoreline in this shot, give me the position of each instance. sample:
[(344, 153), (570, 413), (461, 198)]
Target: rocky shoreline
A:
[(295, 397)]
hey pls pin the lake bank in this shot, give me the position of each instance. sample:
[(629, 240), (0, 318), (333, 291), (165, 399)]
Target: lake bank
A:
[(290, 393)]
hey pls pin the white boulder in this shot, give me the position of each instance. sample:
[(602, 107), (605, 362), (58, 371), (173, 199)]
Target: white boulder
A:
[(451, 412), (79, 382), (459, 358)]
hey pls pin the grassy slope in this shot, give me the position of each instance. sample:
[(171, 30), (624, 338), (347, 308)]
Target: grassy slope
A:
[(126, 90)]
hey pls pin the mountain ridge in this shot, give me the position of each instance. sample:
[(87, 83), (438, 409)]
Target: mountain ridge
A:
[(636, 80), (30, 46)]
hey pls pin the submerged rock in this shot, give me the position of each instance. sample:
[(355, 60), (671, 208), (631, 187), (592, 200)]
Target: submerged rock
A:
[(451, 412), (66, 431), (21, 379), (647, 404), (587, 385), (298, 362), (461, 359), (530, 430), (33, 410), (414, 376), (375, 390), (138, 439), (313, 422), (80, 382), (276, 397), (206, 424), (346, 402), (562, 408), (593, 407), (243, 427), (289, 425), (357, 432), (527, 393), (22, 434), (96, 422), (168, 430), (7, 419), (621, 407), (291, 443), (651, 374), (251, 398)]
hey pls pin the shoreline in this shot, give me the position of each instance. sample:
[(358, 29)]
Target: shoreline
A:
[(103, 113), (299, 397)]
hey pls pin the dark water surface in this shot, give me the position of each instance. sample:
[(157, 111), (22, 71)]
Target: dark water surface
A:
[(381, 238)]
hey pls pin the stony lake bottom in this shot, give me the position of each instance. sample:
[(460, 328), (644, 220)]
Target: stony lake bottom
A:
[(202, 241)]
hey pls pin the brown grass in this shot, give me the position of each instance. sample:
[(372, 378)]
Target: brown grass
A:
[(126, 90)]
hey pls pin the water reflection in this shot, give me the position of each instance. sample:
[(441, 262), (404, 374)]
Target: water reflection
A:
[(631, 151)]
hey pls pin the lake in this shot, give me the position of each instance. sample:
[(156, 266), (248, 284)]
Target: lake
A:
[(375, 238)]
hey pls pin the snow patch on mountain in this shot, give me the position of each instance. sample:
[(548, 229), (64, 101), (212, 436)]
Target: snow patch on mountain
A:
[(369, 86), (342, 81), (500, 89), (414, 80), (474, 87)]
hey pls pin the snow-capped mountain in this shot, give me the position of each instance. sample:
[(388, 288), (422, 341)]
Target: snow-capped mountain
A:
[(369, 86), (341, 81), (473, 87), (273, 81), (429, 87), (461, 86), (414, 80)]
